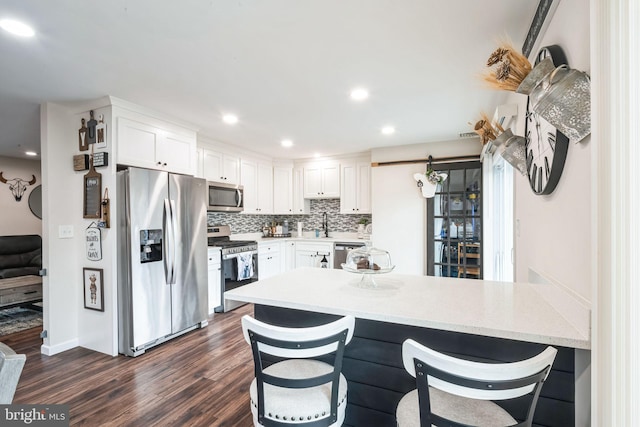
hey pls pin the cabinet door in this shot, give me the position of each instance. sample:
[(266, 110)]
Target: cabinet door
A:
[(257, 180), (310, 254), (221, 167), (265, 188), (355, 188), (176, 154), (137, 144), (289, 255), (199, 163), (282, 190), (349, 191), (331, 181), (249, 180), (212, 166), (231, 168), (305, 258), (312, 182), (300, 204), (268, 264)]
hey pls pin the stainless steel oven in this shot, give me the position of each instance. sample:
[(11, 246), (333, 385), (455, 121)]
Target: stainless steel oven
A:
[(225, 197), (238, 266)]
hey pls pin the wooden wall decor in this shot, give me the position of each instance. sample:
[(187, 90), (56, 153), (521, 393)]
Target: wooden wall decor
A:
[(91, 129), (92, 193), (101, 133), (82, 137)]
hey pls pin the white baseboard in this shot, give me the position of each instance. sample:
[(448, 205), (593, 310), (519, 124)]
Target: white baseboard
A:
[(50, 350)]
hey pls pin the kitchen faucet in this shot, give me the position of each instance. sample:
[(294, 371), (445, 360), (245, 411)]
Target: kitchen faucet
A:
[(325, 224)]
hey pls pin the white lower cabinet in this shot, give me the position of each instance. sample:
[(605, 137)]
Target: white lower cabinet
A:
[(269, 262), (312, 254), (214, 279), (289, 255)]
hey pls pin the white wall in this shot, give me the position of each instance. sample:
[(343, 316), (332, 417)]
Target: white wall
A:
[(61, 199), (553, 237), (68, 323), (399, 219), (16, 217)]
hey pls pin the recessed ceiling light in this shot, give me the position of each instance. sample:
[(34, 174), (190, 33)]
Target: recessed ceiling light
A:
[(316, 155), (359, 94), (31, 153), (230, 119), (286, 143), (16, 27), (388, 130)]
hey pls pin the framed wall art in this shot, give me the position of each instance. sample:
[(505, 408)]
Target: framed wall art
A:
[(93, 288)]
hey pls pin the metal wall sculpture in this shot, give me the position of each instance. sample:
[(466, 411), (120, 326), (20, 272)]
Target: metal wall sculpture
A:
[(17, 185)]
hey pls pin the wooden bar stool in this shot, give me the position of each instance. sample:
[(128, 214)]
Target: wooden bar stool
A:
[(459, 393), (297, 389)]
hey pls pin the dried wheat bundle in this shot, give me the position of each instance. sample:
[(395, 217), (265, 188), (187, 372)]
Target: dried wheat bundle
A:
[(487, 130), (510, 68)]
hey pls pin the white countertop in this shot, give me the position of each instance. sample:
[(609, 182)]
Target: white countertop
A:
[(497, 309), (307, 237)]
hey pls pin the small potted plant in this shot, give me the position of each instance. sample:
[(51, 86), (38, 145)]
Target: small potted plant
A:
[(429, 181), (361, 225)]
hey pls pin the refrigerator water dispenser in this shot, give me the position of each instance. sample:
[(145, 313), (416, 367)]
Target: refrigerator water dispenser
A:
[(150, 245)]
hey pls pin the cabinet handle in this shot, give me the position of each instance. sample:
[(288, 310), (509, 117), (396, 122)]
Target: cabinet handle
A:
[(159, 163), (164, 164)]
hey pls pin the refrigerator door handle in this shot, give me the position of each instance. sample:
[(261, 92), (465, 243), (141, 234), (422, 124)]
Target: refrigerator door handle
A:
[(168, 243), (174, 227), (238, 198)]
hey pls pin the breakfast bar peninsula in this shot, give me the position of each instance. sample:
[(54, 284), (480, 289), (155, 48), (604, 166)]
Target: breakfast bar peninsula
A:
[(477, 319)]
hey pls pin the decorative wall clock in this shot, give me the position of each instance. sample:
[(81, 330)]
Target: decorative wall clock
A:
[(546, 147)]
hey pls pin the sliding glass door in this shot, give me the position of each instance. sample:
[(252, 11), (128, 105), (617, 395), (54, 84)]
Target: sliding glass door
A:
[(454, 228)]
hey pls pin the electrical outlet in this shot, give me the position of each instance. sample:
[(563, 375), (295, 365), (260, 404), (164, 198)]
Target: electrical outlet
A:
[(65, 231)]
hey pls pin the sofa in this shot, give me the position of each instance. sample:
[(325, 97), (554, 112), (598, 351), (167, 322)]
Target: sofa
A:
[(20, 255)]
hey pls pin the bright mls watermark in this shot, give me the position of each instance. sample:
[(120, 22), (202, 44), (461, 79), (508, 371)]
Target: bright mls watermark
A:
[(34, 415)]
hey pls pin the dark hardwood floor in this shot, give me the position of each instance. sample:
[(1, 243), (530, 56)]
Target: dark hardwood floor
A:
[(199, 379)]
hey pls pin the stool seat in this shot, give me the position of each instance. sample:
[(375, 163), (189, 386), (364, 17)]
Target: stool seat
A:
[(291, 385), (459, 393), (481, 413), (310, 404)]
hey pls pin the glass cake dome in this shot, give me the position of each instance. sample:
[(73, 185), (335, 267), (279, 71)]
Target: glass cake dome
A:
[(368, 260)]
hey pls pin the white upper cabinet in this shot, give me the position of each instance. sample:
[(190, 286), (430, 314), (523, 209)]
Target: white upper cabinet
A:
[(221, 167), (257, 180), (355, 189), (282, 190), (300, 204), (322, 180), (150, 146), (199, 163)]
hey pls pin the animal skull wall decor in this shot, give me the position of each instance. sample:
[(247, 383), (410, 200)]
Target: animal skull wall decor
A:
[(428, 183), (17, 185)]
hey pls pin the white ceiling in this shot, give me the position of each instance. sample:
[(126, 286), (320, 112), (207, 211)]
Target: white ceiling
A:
[(285, 67)]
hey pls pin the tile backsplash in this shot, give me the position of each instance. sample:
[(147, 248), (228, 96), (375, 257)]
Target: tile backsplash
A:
[(242, 223)]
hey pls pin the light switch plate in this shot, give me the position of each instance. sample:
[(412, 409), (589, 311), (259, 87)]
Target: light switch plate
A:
[(65, 231)]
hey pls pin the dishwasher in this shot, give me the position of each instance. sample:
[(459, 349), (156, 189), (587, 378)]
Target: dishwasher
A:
[(341, 250)]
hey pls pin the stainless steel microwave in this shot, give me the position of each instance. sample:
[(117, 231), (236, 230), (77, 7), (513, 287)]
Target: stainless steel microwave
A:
[(225, 197)]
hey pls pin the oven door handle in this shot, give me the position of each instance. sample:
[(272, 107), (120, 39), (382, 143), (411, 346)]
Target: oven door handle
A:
[(231, 256)]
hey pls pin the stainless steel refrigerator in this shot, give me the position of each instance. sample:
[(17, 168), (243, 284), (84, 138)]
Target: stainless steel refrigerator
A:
[(162, 260)]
